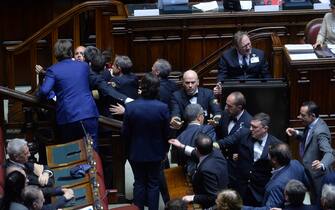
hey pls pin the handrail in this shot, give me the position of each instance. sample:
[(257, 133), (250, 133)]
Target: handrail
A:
[(202, 68), (63, 18), (52, 29), (31, 99)]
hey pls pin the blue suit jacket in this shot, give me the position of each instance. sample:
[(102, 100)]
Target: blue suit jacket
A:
[(145, 130), (69, 80), (274, 190), (252, 175), (205, 98), (230, 68)]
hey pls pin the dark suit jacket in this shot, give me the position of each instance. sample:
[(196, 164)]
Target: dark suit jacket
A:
[(69, 80), (274, 190), (302, 207), (230, 68), (210, 177), (97, 81), (317, 147), (126, 84), (205, 98), (145, 130), (252, 175), (166, 89), (188, 137)]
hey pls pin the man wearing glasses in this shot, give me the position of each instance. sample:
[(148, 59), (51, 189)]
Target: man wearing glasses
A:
[(242, 61)]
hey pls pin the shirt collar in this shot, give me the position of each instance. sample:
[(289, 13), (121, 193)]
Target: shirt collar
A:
[(17, 164), (275, 171), (239, 115), (310, 126)]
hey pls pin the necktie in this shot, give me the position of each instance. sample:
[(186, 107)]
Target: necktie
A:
[(303, 142), (233, 119), (258, 141), (191, 96), (244, 62)]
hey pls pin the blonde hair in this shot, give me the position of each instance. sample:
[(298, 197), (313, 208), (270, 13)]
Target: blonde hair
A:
[(228, 200)]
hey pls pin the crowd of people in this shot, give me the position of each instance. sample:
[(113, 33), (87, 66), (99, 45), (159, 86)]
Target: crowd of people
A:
[(232, 160)]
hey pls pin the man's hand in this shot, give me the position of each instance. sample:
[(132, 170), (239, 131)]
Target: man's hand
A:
[(176, 123), (188, 198), (117, 109), (38, 169), (215, 121), (317, 165), (176, 143), (317, 44), (68, 193), (43, 179), (291, 132), (235, 156), (217, 90), (216, 145), (39, 69)]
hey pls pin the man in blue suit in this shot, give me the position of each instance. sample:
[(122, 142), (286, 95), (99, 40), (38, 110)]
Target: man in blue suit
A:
[(242, 61), (145, 131), (192, 94), (253, 165), (75, 105), (194, 116), (285, 169)]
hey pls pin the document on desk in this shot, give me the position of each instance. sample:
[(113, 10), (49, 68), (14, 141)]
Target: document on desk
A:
[(299, 48), (303, 56), (207, 6)]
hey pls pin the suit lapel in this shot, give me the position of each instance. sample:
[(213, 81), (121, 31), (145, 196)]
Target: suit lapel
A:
[(309, 138), (200, 98), (185, 100)]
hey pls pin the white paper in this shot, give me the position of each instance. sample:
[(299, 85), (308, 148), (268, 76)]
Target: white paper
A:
[(246, 5), (332, 50), (266, 8), (331, 46), (325, 1), (299, 48), (87, 208), (303, 56), (207, 6), (321, 6), (146, 12)]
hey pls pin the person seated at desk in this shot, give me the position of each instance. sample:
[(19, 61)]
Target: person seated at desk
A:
[(242, 61), (327, 31)]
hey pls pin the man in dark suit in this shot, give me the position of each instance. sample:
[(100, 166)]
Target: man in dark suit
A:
[(242, 61), (145, 131), (192, 94), (194, 116), (253, 166), (75, 105), (234, 118), (315, 148), (211, 175), (285, 169), (162, 68)]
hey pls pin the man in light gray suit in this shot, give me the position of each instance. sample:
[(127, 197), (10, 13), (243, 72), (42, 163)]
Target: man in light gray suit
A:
[(315, 149)]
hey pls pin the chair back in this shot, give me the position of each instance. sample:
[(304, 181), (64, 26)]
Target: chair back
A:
[(312, 29)]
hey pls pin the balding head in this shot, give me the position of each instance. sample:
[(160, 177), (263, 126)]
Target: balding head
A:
[(190, 82), (79, 53)]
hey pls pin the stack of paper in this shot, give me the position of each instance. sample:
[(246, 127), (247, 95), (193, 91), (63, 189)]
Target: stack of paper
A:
[(303, 56), (299, 48), (207, 6)]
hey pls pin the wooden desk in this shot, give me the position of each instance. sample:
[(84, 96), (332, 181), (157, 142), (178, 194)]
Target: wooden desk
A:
[(311, 80), (186, 39)]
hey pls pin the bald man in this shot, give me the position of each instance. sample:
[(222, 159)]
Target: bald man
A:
[(191, 93)]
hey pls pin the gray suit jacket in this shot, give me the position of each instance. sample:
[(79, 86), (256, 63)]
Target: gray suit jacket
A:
[(317, 147)]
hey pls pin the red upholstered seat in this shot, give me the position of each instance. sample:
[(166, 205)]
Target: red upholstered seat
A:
[(312, 29)]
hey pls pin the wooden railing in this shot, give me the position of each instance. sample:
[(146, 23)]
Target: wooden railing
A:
[(52, 29), (210, 62), (31, 100)]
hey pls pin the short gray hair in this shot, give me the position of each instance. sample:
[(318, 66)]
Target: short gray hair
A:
[(15, 146), (124, 63), (163, 66), (192, 111), (63, 49), (328, 196)]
